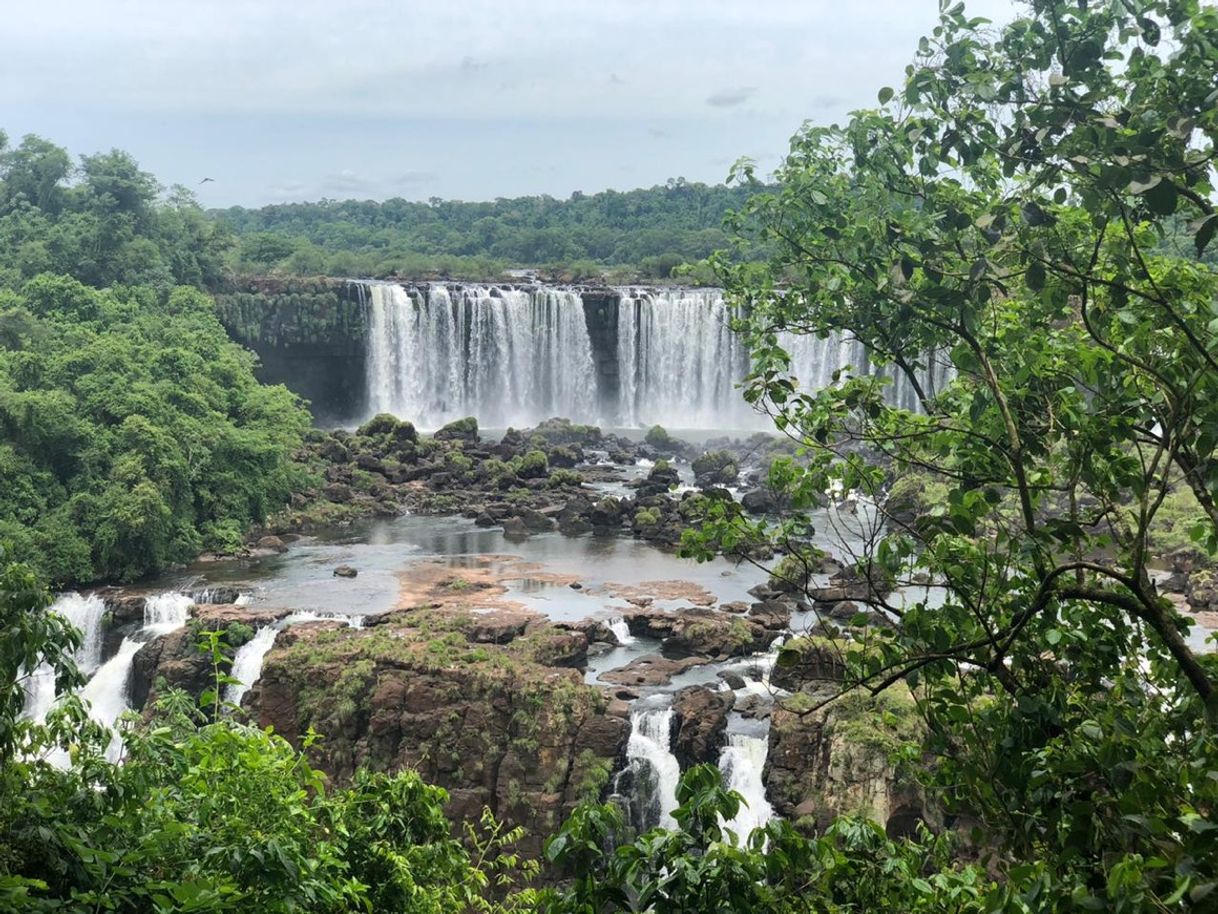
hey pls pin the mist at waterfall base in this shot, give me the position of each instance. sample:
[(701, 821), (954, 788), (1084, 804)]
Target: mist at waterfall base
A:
[(515, 356)]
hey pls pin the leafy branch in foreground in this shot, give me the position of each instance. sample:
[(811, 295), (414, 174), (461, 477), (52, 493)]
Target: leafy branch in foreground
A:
[(1002, 235)]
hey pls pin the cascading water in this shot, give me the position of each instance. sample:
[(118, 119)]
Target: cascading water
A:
[(247, 663), (166, 612), (679, 361), (514, 356), (742, 763), (108, 691), (652, 771), (621, 631), (505, 356), (86, 614)]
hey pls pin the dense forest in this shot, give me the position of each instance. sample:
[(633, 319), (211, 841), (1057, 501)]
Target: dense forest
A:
[(645, 233), (1035, 205)]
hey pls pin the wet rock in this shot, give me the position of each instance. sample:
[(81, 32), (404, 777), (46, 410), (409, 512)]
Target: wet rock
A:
[(535, 521), (514, 529), (755, 707), (650, 670), (838, 759), (499, 627), (774, 615), (125, 610), (272, 543), (699, 632), (759, 501), (716, 468), (345, 571), (701, 724), (736, 607), (169, 661), (810, 661), (733, 680), (484, 519), (461, 430)]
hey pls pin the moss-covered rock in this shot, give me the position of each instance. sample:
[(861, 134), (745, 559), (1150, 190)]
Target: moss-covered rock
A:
[(502, 725)]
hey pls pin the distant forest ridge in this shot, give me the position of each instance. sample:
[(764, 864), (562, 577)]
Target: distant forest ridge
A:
[(649, 233)]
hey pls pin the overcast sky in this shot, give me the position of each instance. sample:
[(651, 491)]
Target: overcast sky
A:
[(281, 100)]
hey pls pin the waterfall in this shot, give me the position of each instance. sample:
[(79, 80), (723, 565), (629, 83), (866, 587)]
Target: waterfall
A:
[(679, 361), (621, 631), (742, 763), (654, 771), (247, 664), (505, 356), (166, 612), (85, 614), (519, 355), (108, 693)]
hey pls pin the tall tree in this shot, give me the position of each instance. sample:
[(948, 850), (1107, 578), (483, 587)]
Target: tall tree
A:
[(999, 221)]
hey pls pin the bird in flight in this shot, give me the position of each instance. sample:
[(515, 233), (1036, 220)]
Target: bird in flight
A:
[(205, 180)]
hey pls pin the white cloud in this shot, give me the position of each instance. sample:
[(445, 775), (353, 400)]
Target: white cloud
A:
[(741, 72)]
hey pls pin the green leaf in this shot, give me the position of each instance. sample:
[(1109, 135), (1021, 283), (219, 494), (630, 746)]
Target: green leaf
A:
[(885, 95), (1205, 233), (1162, 198), (1036, 277)]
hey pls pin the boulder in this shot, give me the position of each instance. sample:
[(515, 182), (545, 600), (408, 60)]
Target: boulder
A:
[(759, 501), (345, 571), (515, 529), (461, 430), (272, 544), (701, 724), (716, 468)]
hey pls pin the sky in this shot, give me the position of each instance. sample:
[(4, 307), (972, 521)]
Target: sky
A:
[(288, 100)]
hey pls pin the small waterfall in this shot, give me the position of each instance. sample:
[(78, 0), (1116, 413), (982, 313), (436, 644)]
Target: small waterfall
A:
[(247, 664), (108, 692), (621, 631), (85, 614), (652, 768), (742, 763), (166, 612)]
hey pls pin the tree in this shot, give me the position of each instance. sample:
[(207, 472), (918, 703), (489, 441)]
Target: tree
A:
[(992, 235)]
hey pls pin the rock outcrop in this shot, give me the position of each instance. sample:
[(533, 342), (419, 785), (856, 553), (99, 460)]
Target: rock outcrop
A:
[(837, 759), (479, 706)]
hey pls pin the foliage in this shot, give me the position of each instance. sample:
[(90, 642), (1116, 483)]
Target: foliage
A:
[(701, 867), (101, 223), (655, 231), (1003, 214), (133, 432)]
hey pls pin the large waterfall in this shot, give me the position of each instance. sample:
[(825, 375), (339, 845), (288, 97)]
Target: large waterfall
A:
[(630, 357), (506, 356)]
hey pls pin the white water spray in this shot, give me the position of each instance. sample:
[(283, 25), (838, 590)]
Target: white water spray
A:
[(656, 769), (85, 614), (247, 663), (166, 612), (621, 631), (742, 764)]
